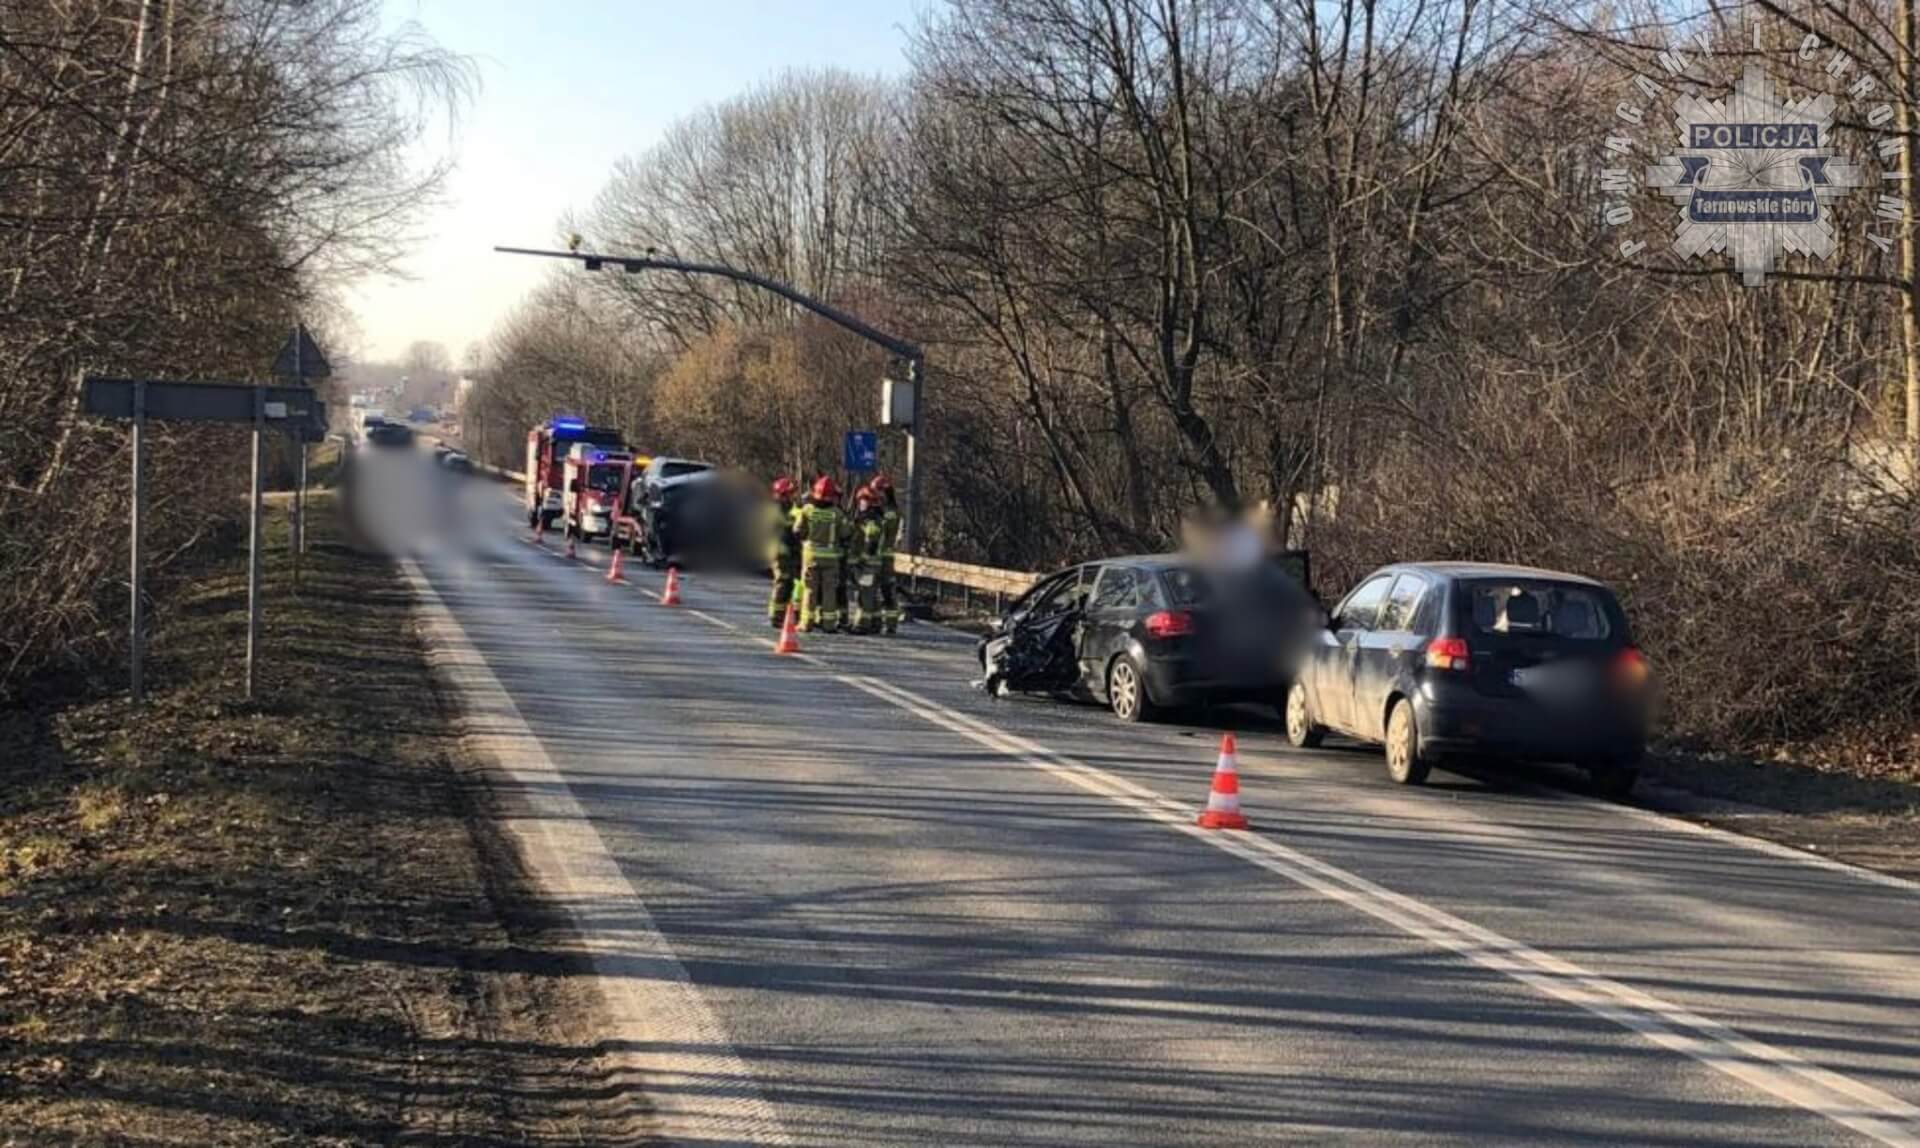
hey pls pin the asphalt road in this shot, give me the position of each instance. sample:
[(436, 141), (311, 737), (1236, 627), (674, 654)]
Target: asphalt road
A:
[(847, 899)]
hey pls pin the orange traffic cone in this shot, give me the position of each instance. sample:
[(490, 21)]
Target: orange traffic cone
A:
[(789, 642), (672, 595), (613, 568), (1223, 803)]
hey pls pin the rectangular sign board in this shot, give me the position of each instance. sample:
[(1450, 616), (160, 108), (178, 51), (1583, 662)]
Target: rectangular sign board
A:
[(200, 402), (862, 452)]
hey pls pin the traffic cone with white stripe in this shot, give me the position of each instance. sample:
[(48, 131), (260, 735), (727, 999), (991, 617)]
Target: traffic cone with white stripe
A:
[(613, 568), (671, 596), (1223, 803), (789, 642)]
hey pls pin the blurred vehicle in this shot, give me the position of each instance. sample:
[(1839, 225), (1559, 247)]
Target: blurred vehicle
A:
[(1151, 632), (671, 502), (1452, 658), (388, 434), (547, 447), (456, 460), (420, 415), (595, 477)]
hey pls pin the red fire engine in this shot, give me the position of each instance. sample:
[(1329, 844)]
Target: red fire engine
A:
[(547, 447), (595, 487)]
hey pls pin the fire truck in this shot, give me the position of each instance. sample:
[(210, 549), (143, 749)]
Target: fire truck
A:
[(595, 488), (547, 447)]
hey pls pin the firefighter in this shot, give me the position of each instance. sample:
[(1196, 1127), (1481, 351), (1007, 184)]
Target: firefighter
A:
[(863, 560), (821, 528), (783, 556), (888, 508)]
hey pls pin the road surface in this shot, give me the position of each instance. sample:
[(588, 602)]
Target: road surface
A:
[(847, 899)]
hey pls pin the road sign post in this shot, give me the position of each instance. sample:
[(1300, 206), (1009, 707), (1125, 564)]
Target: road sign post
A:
[(916, 378), (136, 608), (138, 400), (300, 359), (253, 537)]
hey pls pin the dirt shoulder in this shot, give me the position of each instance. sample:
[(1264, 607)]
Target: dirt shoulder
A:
[(284, 922), (1848, 812)]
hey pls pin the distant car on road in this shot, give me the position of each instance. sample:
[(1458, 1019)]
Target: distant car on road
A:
[(1436, 659), (455, 460), (389, 434), (1152, 632)]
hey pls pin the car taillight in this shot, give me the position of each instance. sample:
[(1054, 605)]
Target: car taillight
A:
[(1630, 667), (1169, 624), (1447, 653)]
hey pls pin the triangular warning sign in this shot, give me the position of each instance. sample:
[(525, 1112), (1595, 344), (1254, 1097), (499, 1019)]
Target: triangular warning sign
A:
[(300, 358)]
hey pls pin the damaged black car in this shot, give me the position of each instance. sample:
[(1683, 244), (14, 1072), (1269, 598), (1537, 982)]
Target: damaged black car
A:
[(1150, 633)]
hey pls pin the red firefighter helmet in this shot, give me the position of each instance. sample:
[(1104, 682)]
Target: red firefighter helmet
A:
[(881, 484), (865, 497), (784, 487), (825, 489)]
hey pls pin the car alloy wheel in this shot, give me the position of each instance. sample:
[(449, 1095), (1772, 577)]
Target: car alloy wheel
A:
[(1301, 732), (1404, 763), (1126, 693)]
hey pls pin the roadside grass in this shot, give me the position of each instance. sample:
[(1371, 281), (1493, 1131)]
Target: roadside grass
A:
[(285, 921)]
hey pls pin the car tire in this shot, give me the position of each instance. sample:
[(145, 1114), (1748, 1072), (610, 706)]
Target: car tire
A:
[(1302, 733), (1614, 780), (1405, 765), (1127, 690)]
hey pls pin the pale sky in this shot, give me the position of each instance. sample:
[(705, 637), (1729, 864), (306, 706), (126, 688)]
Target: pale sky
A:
[(567, 88)]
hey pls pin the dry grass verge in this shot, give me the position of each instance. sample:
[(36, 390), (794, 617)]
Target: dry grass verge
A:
[(284, 922)]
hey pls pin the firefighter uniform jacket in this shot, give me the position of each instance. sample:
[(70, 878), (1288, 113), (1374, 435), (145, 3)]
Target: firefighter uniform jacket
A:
[(822, 531)]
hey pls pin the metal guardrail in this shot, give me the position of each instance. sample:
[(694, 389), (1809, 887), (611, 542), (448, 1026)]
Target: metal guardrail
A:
[(982, 585)]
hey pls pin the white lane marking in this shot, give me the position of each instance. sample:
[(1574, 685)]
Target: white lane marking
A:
[(1785, 1075), (698, 1086)]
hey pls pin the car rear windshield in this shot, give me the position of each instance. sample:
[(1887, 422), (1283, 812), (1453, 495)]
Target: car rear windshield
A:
[(1539, 610), (676, 469), (1186, 586)]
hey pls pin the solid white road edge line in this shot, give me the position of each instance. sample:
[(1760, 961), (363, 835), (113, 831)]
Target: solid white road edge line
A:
[(710, 1094), (1865, 1109)]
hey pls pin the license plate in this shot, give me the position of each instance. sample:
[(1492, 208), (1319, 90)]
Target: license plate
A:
[(1557, 682)]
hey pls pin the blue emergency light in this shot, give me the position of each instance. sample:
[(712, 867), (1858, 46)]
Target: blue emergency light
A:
[(567, 422)]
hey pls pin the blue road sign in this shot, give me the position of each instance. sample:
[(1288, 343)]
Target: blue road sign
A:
[(863, 452)]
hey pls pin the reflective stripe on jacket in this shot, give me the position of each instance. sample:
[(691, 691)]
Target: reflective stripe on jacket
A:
[(821, 530)]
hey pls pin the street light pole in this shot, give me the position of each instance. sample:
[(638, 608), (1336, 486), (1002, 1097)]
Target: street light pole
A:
[(911, 352)]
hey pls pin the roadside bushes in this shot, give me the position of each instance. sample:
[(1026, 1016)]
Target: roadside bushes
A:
[(176, 181)]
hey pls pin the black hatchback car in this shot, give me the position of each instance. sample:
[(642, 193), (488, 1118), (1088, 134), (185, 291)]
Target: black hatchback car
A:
[(1152, 632), (1450, 658)]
